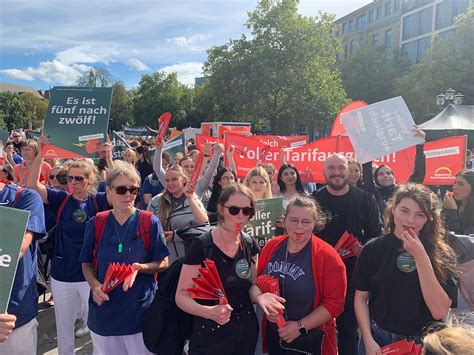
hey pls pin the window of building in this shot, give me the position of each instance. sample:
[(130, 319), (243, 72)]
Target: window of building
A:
[(351, 26), (353, 47), (448, 10), (416, 50), (346, 51), (361, 22), (417, 24), (388, 8), (344, 28), (396, 5), (375, 39), (378, 12), (388, 38), (371, 16)]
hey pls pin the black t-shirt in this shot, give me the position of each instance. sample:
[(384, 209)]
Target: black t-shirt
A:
[(235, 287), (336, 209), (396, 302), (295, 276)]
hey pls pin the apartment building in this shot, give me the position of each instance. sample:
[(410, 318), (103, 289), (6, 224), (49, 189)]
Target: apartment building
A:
[(405, 24)]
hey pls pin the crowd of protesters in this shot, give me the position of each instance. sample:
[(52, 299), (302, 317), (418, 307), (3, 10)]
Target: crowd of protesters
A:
[(403, 279)]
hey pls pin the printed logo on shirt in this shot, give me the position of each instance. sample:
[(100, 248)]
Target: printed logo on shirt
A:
[(282, 268)]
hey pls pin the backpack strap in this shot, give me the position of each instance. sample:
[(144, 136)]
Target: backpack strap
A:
[(96, 205), (99, 227), (144, 229), (61, 207), (17, 197)]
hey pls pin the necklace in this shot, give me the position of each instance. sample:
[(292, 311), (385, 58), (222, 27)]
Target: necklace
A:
[(121, 239)]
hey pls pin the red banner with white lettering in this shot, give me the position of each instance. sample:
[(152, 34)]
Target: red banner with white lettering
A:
[(226, 129)]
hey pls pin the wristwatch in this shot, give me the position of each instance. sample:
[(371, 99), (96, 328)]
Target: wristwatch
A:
[(301, 328)]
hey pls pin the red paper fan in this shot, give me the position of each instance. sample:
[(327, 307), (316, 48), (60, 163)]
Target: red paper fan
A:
[(208, 285), (348, 246), (163, 123), (115, 275), (267, 283), (402, 347)]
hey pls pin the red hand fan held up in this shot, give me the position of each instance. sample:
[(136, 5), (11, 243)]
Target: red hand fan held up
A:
[(208, 285)]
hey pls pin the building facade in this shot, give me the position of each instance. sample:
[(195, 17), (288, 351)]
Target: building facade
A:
[(405, 24)]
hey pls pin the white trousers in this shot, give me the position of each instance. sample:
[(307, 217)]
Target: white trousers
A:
[(119, 345), (22, 341), (69, 297)]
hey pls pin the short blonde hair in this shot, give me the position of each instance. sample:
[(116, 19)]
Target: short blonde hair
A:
[(32, 144), (88, 169), (132, 153), (122, 168), (449, 341)]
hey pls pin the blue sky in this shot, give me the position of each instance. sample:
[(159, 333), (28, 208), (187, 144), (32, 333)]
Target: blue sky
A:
[(48, 42)]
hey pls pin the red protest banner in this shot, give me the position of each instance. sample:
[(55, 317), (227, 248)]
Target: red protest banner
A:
[(201, 139), (282, 141), (338, 128)]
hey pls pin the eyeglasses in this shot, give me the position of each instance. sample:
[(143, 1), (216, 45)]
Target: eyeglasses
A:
[(71, 178), (229, 178), (305, 222), (234, 210), (122, 190)]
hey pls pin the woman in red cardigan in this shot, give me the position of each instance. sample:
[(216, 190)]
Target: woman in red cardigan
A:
[(312, 280)]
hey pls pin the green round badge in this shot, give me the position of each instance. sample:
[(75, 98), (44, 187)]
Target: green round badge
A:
[(406, 263), (242, 269), (79, 216)]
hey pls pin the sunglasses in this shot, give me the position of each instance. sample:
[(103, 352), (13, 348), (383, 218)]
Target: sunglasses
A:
[(71, 178), (122, 190), (234, 210)]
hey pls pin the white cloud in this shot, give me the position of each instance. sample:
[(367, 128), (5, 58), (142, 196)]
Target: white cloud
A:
[(50, 72), (137, 64), (186, 71), (88, 53), (188, 42)]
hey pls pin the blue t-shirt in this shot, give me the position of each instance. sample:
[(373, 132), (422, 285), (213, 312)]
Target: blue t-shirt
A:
[(123, 313), (151, 185), (17, 159), (69, 235), (24, 296)]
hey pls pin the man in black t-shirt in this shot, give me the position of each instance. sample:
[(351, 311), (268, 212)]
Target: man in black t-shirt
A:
[(348, 209)]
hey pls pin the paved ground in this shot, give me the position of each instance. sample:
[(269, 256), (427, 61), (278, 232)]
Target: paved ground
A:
[(47, 341)]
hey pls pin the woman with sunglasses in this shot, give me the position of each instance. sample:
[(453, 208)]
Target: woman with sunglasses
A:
[(312, 281), (72, 210), (115, 318), (177, 207), (29, 151), (404, 280), (223, 178), (187, 163), (231, 328)]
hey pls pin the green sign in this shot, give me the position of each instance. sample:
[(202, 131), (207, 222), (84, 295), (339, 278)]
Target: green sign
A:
[(76, 122), (119, 146), (262, 225), (13, 226), (33, 135), (4, 136)]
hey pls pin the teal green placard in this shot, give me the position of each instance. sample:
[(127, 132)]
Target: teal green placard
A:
[(12, 226), (4, 136), (262, 225), (76, 122), (119, 146)]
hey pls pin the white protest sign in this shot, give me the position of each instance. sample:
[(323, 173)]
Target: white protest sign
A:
[(380, 129)]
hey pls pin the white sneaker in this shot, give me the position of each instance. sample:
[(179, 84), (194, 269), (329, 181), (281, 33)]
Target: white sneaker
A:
[(82, 331)]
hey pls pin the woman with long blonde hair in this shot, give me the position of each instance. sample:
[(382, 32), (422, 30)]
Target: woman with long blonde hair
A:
[(258, 181)]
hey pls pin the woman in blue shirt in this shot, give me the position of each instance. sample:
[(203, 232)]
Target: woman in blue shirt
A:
[(71, 210), (115, 319)]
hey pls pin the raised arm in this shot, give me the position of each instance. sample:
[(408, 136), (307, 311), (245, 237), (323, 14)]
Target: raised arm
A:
[(419, 170), (32, 180), (199, 212), (158, 161), (204, 180)]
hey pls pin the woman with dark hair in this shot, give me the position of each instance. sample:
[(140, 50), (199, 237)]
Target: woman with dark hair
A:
[(459, 205), (290, 183), (404, 279), (223, 178), (143, 163)]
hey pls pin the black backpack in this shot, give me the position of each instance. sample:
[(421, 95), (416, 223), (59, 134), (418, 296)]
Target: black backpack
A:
[(165, 326)]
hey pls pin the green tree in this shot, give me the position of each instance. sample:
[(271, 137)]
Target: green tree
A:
[(371, 73), (158, 93), (121, 107), (283, 76), (448, 64), (35, 109), (12, 110), (95, 78)]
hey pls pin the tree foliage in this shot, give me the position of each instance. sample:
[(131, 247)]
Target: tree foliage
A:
[(35, 109), (12, 110), (448, 64), (283, 76), (95, 78), (158, 93), (371, 73), (121, 107)]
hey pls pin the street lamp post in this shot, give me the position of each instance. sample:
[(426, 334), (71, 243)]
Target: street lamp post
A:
[(448, 97)]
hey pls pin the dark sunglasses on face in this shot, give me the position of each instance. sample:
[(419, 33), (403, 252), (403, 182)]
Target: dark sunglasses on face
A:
[(122, 190), (234, 210), (71, 178)]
